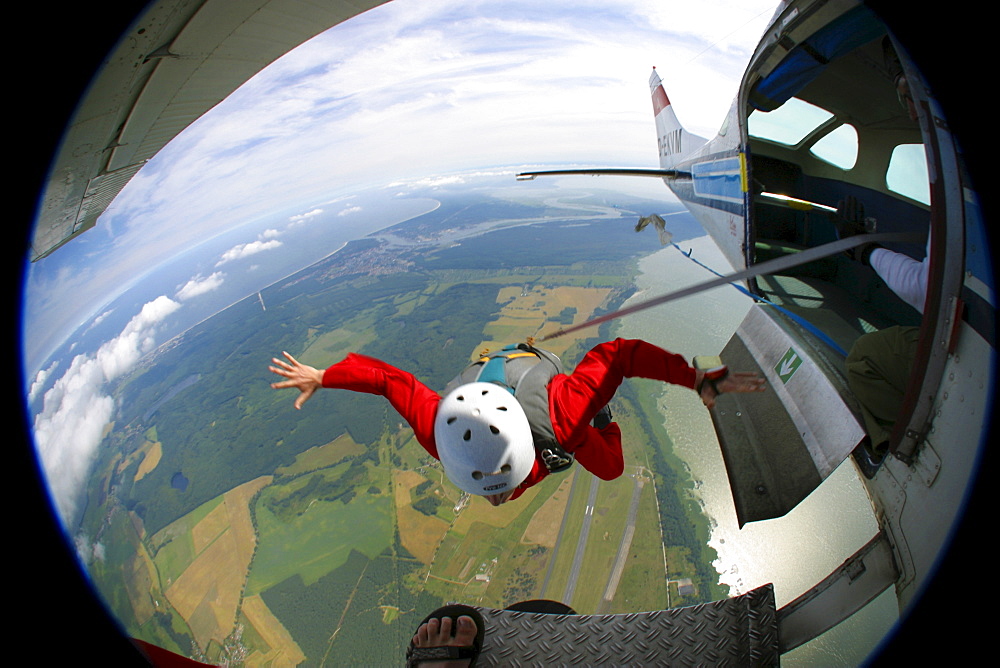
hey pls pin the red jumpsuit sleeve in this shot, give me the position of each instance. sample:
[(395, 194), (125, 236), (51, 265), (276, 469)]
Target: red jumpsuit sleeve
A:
[(601, 451), (412, 399), (574, 399)]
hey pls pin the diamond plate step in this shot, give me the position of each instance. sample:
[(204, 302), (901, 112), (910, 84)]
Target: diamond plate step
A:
[(739, 631)]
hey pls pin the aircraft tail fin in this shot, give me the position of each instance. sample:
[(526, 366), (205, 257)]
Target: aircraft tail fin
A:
[(673, 142)]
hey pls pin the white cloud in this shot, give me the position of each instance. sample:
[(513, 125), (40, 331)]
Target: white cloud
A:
[(349, 210), (444, 180), (40, 379), (76, 408), (101, 318), (302, 217), (245, 250), (86, 551), (199, 286)]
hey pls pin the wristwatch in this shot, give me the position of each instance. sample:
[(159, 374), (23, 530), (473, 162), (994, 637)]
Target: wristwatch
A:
[(713, 376)]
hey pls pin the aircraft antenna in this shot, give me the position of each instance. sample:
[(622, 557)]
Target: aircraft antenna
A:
[(722, 39)]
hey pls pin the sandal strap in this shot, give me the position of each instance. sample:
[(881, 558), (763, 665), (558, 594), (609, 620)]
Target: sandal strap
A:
[(419, 655)]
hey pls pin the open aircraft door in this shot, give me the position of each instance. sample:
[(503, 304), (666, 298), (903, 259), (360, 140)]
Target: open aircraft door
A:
[(779, 445)]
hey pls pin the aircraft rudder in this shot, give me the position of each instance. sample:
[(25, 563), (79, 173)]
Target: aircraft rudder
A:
[(672, 140), (659, 95)]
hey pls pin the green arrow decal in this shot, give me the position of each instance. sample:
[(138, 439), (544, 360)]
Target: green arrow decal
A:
[(786, 367)]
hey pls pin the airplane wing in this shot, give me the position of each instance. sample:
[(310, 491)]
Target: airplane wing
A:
[(176, 62)]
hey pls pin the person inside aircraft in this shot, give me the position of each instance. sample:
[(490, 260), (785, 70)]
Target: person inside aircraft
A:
[(879, 363), (517, 440), (904, 275), (895, 69)]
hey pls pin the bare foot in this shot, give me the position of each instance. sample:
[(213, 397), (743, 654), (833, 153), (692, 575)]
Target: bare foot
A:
[(438, 633)]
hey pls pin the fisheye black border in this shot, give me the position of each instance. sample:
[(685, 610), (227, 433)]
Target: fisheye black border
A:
[(55, 51)]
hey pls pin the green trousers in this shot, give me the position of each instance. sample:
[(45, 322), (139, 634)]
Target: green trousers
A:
[(878, 370)]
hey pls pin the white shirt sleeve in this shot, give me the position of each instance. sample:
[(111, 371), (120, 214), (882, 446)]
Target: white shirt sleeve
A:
[(904, 275)]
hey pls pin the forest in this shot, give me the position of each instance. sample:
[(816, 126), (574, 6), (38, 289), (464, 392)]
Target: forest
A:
[(337, 615)]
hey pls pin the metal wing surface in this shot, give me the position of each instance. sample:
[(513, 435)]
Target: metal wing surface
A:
[(177, 61)]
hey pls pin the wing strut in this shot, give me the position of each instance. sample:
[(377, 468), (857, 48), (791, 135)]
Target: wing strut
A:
[(655, 173), (770, 267)]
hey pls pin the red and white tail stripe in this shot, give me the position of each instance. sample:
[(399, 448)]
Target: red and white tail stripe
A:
[(673, 142)]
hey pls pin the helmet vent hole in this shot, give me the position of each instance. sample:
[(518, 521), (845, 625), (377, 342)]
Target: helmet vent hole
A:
[(477, 475), (485, 392), (494, 429), (501, 408), (505, 468), (460, 398), (467, 435), (452, 419)]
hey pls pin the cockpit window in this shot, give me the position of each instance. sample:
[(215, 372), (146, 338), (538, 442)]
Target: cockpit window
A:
[(907, 173), (788, 124), (839, 148)]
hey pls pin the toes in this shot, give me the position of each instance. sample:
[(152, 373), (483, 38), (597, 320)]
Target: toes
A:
[(439, 632), (466, 631)]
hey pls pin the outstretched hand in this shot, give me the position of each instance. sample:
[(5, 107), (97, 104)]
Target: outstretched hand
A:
[(849, 218), (733, 382), (304, 378)]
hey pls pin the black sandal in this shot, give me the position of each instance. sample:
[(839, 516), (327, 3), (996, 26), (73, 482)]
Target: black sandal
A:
[(417, 655)]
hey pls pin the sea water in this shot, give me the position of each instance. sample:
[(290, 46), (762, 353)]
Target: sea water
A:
[(793, 552)]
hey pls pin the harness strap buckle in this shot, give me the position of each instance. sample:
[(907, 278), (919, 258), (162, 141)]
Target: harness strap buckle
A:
[(555, 458)]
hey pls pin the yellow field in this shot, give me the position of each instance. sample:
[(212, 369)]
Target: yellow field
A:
[(284, 650), (543, 529), (333, 346), (480, 510), (420, 534), (402, 483), (508, 293), (149, 462), (139, 585), (323, 455), (526, 315), (124, 462), (210, 527), (207, 593)]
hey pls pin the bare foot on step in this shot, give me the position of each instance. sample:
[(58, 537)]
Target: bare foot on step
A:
[(438, 633)]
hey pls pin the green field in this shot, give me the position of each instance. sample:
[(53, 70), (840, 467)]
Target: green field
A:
[(319, 538)]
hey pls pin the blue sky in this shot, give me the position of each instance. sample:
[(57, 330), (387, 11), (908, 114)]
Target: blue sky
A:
[(409, 90)]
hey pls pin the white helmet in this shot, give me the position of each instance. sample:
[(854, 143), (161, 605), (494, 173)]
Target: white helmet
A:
[(483, 439)]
